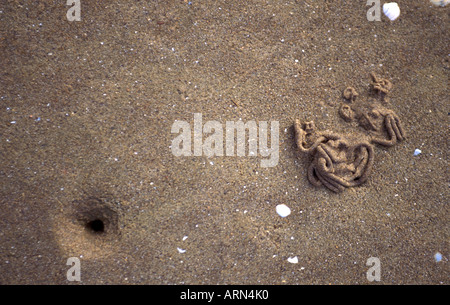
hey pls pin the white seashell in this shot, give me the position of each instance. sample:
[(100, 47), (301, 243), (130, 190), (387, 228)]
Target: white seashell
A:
[(283, 210), (417, 152), (181, 250), (391, 10), (438, 257), (293, 260)]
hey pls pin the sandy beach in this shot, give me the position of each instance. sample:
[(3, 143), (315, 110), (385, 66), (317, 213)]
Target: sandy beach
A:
[(90, 168)]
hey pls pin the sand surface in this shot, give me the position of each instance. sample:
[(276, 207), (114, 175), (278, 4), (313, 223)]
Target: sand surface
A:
[(86, 111)]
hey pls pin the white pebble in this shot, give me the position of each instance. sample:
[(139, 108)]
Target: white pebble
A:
[(185, 237), (283, 210), (438, 257), (391, 10), (181, 250), (293, 260), (417, 152)]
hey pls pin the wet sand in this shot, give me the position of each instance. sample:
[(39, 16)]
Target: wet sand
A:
[(85, 121)]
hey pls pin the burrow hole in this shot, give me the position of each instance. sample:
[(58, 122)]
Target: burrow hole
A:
[(96, 226)]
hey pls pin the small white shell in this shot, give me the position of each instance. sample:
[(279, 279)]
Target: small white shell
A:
[(293, 260), (283, 210), (391, 10), (438, 257)]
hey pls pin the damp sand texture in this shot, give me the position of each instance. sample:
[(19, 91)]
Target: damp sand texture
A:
[(87, 171)]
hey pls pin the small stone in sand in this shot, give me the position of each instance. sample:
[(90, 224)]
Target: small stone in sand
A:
[(438, 257), (283, 210), (293, 260)]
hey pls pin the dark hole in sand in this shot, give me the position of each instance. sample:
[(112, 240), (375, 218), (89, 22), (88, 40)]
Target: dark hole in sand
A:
[(96, 226), (98, 217)]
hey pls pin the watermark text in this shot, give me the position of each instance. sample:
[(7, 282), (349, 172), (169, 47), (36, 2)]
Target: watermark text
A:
[(229, 141)]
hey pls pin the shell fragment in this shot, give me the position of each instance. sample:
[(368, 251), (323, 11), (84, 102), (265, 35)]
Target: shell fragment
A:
[(293, 260), (391, 10), (283, 210)]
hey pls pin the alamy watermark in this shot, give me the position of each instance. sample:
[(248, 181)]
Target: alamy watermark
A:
[(215, 145), (374, 272), (374, 12), (74, 12), (74, 272)]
